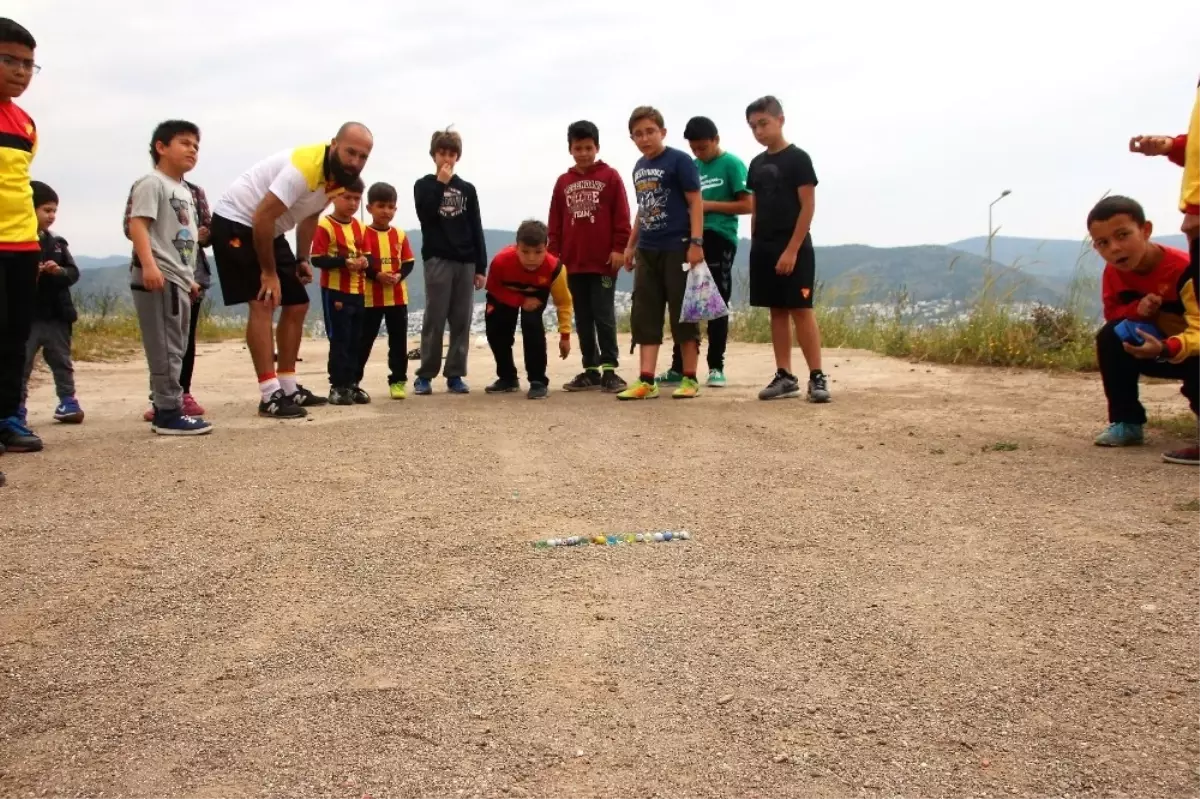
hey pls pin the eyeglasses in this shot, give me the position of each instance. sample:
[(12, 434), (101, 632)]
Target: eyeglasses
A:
[(20, 63)]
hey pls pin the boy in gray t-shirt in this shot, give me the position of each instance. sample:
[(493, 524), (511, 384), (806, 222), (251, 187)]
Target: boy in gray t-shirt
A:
[(163, 228)]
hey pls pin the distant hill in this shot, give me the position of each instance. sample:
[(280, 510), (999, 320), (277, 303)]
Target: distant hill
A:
[(1056, 259), (927, 272)]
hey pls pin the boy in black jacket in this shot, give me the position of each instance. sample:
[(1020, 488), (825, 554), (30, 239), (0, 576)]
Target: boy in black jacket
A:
[(53, 311), (455, 260)]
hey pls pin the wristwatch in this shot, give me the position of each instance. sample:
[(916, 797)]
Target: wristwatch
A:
[(699, 242)]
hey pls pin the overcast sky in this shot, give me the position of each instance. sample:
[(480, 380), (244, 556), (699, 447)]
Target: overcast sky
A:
[(916, 114)]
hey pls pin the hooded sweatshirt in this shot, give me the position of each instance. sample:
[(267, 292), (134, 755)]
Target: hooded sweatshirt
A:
[(589, 219)]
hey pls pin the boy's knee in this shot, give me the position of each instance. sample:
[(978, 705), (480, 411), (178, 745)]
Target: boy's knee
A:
[(1106, 337)]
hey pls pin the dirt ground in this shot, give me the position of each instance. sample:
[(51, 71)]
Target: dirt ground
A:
[(877, 600)]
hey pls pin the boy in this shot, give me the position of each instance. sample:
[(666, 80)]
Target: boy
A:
[(20, 251), (667, 239), (782, 261), (53, 312), (386, 296), (1143, 282), (589, 227), (723, 190), (338, 251), (162, 224), (522, 278), (455, 259)]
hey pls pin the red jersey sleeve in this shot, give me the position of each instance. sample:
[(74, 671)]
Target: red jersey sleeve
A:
[(321, 240), (406, 253)]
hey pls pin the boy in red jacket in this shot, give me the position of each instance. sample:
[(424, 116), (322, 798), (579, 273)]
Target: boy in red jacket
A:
[(589, 226)]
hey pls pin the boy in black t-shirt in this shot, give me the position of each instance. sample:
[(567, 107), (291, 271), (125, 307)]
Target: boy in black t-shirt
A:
[(782, 263)]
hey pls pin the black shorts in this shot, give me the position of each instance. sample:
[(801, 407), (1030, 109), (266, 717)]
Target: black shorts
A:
[(238, 269), (771, 290)]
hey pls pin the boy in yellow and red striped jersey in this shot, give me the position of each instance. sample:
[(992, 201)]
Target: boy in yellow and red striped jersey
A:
[(337, 250), (386, 296)]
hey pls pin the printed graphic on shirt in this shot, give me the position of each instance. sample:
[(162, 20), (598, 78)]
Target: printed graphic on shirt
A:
[(181, 208), (710, 182), (652, 198), (583, 198), (454, 203), (185, 245)]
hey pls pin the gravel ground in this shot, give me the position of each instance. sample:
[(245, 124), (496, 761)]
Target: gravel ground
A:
[(877, 601)]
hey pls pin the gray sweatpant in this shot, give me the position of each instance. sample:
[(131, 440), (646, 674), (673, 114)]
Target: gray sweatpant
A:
[(449, 296), (164, 317), (53, 338)]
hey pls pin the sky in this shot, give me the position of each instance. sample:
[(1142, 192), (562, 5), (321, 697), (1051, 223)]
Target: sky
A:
[(917, 115)]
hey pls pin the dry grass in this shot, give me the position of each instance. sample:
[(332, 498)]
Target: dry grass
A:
[(108, 330), (1179, 425)]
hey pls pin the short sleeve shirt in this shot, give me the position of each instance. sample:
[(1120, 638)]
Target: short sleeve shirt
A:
[(660, 184), (775, 179), (296, 177), (169, 206), (722, 180)]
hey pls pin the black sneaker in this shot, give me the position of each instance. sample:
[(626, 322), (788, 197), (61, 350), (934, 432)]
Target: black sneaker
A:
[(503, 387), (587, 380), (341, 396), (611, 383), (782, 386), (359, 396), (16, 437), (537, 391), (818, 387), (280, 406), (306, 399), (415, 354)]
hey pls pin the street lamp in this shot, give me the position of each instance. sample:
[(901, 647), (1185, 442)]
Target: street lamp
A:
[(991, 231)]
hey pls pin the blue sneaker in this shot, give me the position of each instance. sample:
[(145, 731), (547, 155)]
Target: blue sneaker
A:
[(16, 437), (456, 385), (22, 414), (68, 411), (174, 423), (422, 386), (1121, 434)]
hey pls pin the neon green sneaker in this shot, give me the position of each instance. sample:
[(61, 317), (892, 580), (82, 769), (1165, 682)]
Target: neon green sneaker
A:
[(688, 389), (398, 390), (669, 378), (640, 390), (716, 378)]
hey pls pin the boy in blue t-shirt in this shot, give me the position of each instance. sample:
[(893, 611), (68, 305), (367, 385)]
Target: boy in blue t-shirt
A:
[(667, 236)]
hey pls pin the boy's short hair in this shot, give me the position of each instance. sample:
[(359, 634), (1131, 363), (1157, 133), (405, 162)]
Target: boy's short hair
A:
[(533, 233), (355, 186), (166, 132), (42, 194), (12, 32), (1116, 205), (446, 140), (583, 130), (646, 112), (381, 193), (700, 129), (765, 105)]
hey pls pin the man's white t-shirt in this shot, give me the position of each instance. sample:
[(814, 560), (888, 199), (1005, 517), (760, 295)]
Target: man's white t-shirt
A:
[(296, 177)]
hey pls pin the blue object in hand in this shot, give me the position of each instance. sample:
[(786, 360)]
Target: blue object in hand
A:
[(1131, 332)]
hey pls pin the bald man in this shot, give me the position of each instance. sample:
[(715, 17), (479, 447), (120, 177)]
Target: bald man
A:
[(256, 266)]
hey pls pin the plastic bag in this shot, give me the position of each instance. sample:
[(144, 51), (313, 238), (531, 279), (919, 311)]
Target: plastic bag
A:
[(702, 299)]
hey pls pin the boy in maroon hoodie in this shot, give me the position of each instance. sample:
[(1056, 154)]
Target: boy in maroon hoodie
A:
[(589, 227)]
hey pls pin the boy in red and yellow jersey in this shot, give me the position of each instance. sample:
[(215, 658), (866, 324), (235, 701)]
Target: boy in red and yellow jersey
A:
[(519, 282), (338, 251), (386, 296), (20, 252)]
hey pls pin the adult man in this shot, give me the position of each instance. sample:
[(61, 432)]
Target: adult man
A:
[(255, 265)]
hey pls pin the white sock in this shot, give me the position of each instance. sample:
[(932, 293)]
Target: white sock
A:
[(287, 381), (268, 387)]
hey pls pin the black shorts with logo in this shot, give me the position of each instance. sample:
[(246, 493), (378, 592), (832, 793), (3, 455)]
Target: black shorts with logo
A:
[(768, 289), (238, 269)]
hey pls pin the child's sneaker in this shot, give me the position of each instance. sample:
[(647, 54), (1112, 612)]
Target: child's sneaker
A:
[(175, 423), (281, 406), (340, 396), (502, 387), (716, 378), (688, 389), (537, 391), (456, 385), (397, 390), (587, 380), (670, 378), (68, 411), (16, 437), (422, 386), (305, 398), (1121, 434), (1188, 456), (782, 386), (818, 387), (640, 390), (611, 382), (191, 407), (359, 396)]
